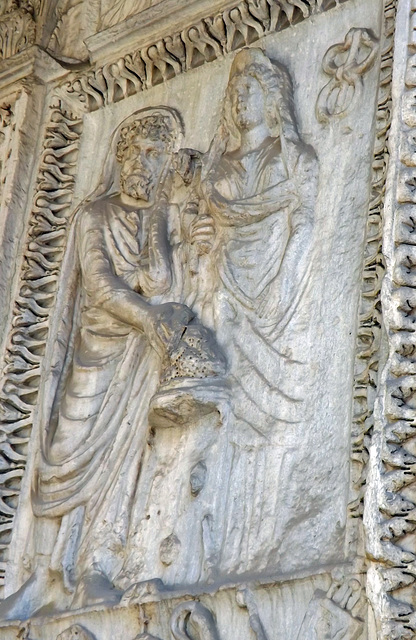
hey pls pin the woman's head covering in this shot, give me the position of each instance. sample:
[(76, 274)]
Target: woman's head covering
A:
[(275, 83)]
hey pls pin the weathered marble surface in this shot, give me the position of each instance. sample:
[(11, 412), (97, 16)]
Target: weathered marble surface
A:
[(310, 609), (179, 358)]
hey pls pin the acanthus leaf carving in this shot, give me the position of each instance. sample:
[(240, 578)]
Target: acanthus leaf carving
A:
[(369, 331), (17, 27)]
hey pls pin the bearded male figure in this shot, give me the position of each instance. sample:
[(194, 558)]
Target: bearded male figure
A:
[(112, 335)]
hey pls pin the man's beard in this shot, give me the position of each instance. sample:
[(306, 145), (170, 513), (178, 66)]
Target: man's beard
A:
[(137, 186)]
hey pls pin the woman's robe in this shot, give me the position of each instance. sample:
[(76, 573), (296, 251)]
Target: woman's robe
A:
[(258, 270)]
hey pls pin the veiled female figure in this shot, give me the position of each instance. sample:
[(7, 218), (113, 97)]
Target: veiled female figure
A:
[(254, 234)]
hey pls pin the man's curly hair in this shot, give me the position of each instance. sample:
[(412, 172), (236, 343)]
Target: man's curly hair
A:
[(155, 127)]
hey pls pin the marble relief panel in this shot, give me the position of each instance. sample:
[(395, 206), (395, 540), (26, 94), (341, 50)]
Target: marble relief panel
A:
[(194, 417)]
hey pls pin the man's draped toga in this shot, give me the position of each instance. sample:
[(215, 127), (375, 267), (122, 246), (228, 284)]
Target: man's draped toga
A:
[(96, 428)]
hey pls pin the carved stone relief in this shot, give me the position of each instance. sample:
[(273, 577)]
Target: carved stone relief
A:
[(201, 42), (44, 249), (246, 600), (240, 24), (75, 21), (112, 13), (194, 621), (192, 367), (170, 374), (17, 26), (336, 614), (75, 632), (390, 502), (346, 63), (7, 127), (16, 140)]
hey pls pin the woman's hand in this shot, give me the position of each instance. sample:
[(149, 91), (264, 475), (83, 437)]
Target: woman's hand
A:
[(202, 232), (186, 163)]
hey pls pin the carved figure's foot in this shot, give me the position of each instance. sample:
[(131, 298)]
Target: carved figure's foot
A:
[(30, 598), (95, 588)]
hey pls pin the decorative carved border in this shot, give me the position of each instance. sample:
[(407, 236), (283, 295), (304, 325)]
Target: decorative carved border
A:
[(198, 43), (40, 270), (390, 514), (370, 317)]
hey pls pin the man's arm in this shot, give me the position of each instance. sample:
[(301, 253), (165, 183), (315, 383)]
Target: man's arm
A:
[(99, 281), (157, 277), (112, 294)]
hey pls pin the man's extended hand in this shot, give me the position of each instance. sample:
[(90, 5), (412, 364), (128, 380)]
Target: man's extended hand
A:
[(167, 324)]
